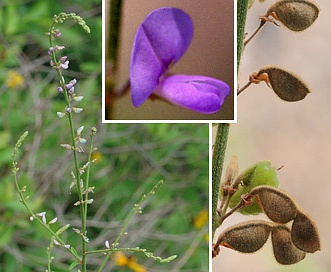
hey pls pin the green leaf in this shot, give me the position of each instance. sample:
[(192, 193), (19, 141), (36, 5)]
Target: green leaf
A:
[(73, 265)]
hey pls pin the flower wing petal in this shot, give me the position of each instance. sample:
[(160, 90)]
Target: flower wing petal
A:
[(161, 39), (198, 93)]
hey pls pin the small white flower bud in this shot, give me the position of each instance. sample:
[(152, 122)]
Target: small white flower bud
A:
[(77, 110), (60, 114), (52, 221), (79, 130)]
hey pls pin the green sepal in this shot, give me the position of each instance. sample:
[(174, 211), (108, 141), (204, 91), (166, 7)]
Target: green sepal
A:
[(261, 173)]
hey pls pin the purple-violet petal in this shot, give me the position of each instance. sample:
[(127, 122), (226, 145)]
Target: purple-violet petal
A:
[(198, 93), (161, 40)]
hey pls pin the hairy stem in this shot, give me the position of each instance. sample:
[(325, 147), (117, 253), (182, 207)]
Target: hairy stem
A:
[(217, 167), (242, 7)]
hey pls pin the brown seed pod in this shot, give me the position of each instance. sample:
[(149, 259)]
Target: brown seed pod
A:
[(284, 250), (304, 233), (277, 205), (285, 84), (296, 15), (245, 237)]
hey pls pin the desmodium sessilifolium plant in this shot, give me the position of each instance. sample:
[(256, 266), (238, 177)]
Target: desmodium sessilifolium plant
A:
[(255, 190), (80, 177)]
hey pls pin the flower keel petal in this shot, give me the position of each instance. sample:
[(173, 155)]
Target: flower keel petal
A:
[(198, 93)]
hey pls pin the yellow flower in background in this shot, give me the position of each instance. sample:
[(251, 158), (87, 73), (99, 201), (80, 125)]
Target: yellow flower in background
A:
[(207, 237), (200, 219), (123, 260), (97, 156), (14, 79)]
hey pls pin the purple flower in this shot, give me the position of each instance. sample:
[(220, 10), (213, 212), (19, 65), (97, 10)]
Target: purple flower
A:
[(58, 47), (63, 59), (50, 50), (160, 41), (57, 34), (198, 93), (64, 65), (59, 89), (71, 84)]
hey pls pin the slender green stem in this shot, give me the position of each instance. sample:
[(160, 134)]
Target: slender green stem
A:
[(217, 167), (25, 204), (242, 7), (115, 12), (114, 31), (86, 187), (135, 209), (74, 147)]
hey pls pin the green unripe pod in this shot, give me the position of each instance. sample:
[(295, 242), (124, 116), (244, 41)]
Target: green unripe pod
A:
[(261, 173)]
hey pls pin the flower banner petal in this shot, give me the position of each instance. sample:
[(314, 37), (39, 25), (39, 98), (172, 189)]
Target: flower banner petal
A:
[(198, 93), (161, 40)]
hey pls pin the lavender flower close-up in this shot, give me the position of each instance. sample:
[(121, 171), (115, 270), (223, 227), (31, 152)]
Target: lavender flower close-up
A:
[(160, 41)]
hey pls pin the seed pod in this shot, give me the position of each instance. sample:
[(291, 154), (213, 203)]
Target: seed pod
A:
[(261, 173), (245, 237), (284, 250), (304, 233), (285, 84), (296, 15), (277, 205)]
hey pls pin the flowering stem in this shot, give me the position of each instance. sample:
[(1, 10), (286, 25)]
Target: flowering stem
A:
[(24, 198), (135, 209), (86, 186), (217, 167), (74, 149)]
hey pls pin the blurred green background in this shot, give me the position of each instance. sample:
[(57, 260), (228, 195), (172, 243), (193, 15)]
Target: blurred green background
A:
[(131, 158)]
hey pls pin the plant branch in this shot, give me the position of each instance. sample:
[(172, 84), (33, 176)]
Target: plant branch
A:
[(136, 209), (262, 23), (114, 31), (23, 199), (242, 7), (244, 88), (217, 167)]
